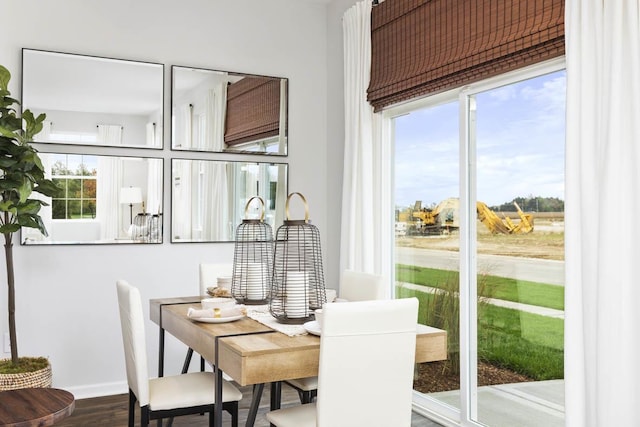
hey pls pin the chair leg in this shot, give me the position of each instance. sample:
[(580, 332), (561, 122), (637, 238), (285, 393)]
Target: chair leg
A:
[(187, 361), (306, 396), (233, 410), (201, 364), (212, 417), (144, 416), (132, 408)]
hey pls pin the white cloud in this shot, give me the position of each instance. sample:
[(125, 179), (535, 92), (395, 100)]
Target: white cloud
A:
[(520, 146)]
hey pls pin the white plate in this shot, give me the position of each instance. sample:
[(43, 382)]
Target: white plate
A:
[(218, 319), (313, 327)]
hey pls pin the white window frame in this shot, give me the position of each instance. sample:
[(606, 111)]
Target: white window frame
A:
[(67, 177), (465, 96)]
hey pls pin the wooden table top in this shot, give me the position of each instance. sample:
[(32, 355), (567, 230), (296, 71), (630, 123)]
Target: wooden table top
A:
[(30, 407), (254, 359), (253, 353)]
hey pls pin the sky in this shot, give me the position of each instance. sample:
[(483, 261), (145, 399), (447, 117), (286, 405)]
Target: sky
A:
[(520, 146)]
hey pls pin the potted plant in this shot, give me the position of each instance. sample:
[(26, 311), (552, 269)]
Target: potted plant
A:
[(21, 173)]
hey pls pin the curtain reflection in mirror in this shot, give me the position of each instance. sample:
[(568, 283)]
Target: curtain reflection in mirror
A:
[(209, 197), (110, 134), (154, 135), (200, 122), (108, 212)]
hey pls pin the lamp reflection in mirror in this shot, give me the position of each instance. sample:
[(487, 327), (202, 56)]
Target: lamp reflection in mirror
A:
[(93, 208), (130, 196)]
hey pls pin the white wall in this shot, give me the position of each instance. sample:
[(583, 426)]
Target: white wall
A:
[(66, 302)]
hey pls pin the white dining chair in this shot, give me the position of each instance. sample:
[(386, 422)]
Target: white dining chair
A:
[(354, 286), (208, 276), (170, 396), (359, 286), (365, 377)]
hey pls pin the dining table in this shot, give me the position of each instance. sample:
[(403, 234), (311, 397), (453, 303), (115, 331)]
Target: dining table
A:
[(253, 353)]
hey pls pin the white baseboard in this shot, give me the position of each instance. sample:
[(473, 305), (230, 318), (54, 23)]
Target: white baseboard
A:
[(97, 390)]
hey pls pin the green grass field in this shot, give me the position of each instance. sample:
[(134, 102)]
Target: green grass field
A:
[(522, 291), (523, 342)]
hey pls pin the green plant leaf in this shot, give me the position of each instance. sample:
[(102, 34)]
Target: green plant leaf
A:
[(30, 207), (9, 228), (48, 188), (8, 206), (5, 76), (25, 190)]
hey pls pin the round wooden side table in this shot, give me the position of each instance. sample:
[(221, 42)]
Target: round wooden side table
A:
[(30, 407)]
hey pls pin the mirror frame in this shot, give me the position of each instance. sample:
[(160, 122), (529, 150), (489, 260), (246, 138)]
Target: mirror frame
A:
[(134, 213), (239, 203), (255, 110), (57, 87)]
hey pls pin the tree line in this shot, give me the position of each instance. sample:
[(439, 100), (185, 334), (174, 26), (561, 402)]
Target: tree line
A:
[(532, 204)]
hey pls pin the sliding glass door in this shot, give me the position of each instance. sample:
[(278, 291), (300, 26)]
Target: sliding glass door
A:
[(479, 191)]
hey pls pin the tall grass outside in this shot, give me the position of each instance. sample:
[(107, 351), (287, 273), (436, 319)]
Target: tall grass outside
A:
[(526, 343)]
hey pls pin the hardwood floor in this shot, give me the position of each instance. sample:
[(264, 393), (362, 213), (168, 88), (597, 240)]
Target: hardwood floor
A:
[(111, 411)]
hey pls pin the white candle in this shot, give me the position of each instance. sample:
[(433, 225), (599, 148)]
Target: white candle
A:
[(255, 281), (296, 304)]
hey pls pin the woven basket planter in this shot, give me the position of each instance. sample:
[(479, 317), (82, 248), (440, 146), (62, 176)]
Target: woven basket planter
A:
[(35, 379)]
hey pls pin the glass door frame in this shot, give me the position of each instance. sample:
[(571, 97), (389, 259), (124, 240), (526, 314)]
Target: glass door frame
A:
[(465, 96)]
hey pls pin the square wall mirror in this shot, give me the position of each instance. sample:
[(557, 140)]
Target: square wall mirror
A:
[(104, 199), (220, 111), (90, 100), (209, 197)]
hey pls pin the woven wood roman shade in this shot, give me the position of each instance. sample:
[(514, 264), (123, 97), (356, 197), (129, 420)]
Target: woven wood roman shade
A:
[(253, 110), (420, 47)]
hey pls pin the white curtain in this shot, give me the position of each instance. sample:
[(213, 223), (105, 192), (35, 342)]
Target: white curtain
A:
[(154, 135), (215, 201), (108, 190), (109, 183), (181, 199), (366, 205), (602, 342), (215, 110), (182, 128), (154, 186), (110, 134)]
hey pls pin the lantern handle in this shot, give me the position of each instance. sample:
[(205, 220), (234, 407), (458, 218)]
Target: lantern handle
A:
[(246, 208), (306, 206)]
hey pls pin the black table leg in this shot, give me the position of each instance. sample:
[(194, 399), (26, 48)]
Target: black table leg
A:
[(276, 394), (255, 404)]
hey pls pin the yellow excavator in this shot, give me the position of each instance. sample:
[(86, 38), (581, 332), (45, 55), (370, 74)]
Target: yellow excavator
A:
[(496, 225), (443, 218)]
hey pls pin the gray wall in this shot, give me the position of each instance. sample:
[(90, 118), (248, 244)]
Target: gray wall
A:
[(66, 302)]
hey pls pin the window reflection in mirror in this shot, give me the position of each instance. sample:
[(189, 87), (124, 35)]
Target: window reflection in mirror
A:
[(208, 198), (94, 101), (220, 111), (104, 199)]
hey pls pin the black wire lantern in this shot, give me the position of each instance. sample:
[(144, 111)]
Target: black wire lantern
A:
[(252, 260), (297, 288)]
